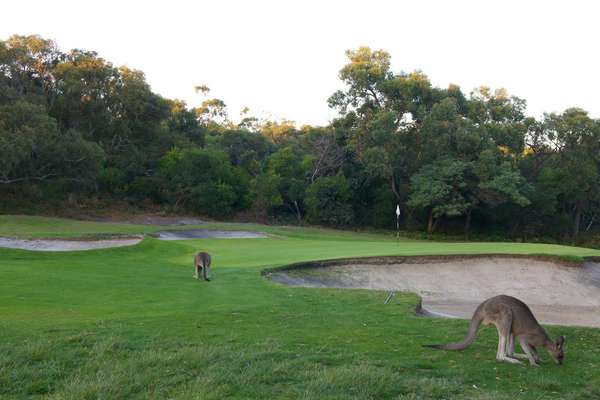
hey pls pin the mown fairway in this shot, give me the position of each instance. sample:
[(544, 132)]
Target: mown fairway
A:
[(132, 323)]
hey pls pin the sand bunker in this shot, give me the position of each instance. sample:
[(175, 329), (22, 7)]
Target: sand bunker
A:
[(66, 245), (206, 234), (558, 292), (152, 220), (73, 245)]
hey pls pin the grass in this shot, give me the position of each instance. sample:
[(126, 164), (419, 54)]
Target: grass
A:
[(132, 323), (33, 227)]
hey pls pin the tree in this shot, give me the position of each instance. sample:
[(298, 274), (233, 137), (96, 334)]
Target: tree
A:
[(265, 191), (33, 149), (74, 122), (246, 150), (203, 180), (324, 154), (490, 176), (364, 76), (26, 64), (287, 165), (440, 189), (279, 132), (574, 139), (183, 121), (383, 113), (212, 112), (329, 201)]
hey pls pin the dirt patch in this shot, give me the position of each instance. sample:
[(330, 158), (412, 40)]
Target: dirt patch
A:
[(66, 245), (559, 292), (207, 234)]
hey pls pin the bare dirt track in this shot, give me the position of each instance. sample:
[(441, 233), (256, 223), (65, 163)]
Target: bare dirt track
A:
[(558, 292)]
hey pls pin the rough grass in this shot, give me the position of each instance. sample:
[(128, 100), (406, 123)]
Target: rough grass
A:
[(132, 323)]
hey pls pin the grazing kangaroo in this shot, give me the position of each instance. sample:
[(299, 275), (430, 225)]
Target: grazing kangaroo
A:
[(201, 262), (513, 319)]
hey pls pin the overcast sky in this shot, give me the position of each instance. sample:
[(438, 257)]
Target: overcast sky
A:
[(281, 58)]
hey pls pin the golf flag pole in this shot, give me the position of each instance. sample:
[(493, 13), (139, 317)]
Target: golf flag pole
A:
[(398, 222)]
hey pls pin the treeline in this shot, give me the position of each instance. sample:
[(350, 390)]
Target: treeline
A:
[(73, 127)]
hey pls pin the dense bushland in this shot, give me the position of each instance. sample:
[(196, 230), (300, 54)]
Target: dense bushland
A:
[(74, 128)]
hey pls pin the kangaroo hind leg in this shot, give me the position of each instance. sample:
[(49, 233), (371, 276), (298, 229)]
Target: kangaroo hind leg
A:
[(504, 327)]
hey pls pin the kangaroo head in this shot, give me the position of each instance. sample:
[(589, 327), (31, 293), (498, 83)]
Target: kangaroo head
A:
[(556, 350)]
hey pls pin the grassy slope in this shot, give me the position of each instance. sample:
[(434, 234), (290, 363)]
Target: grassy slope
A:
[(130, 322)]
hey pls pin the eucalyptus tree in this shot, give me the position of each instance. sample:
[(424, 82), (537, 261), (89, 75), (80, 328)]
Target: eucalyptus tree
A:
[(26, 66), (287, 168), (465, 154), (382, 112), (183, 122), (204, 181), (440, 188), (573, 142), (33, 148), (329, 201)]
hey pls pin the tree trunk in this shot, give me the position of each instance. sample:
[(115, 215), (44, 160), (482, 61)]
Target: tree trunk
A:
[(298, 214), (591, 223), (515, 224), (394, 189), (578, 212), (467, 224), (430, 225), (436, 221)]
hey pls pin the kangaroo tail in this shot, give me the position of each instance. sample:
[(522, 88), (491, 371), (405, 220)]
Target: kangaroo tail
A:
[(473, 327)]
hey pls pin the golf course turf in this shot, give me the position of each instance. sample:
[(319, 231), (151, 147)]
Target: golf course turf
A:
[(130, 322)]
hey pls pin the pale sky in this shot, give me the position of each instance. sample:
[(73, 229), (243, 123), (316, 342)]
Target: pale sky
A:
[(282, 58)]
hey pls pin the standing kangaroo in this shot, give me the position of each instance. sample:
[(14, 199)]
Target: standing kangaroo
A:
[(201, 262), (513, 319)]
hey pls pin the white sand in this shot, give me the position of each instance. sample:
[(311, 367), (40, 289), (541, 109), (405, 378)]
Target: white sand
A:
[(66, 245), (207, 234), (73, 245), (557, 293)]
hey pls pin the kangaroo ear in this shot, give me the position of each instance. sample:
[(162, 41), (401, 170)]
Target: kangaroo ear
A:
[(560, 341)]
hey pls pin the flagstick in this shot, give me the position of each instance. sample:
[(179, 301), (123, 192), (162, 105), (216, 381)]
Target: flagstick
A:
[(398, 223)]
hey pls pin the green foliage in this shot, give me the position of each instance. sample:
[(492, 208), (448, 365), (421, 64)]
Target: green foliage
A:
[(440, 187), (204, 181), (112, 180), (246, 150), (147, 188), (291, 171), (265, 191), (183, 121), (329, 201), (33, 149), (507, 182), (73, 125), (364, 73)]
